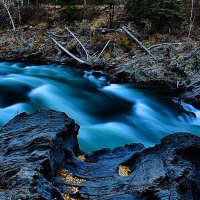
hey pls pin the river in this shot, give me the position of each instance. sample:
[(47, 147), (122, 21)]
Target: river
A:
[(109, 114)]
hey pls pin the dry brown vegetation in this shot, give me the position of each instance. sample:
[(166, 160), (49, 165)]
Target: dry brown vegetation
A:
[(33, 34)]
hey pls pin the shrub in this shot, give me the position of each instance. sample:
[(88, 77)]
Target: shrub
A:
[(124, 42)]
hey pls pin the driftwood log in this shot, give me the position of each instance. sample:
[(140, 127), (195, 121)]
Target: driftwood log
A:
[(89, 58), (66, 51)]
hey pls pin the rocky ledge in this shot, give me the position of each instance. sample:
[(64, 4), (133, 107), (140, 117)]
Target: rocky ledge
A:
[(177, 66), (41, 159)]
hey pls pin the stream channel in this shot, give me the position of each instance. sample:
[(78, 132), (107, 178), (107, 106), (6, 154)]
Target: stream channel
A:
[(109, 115)]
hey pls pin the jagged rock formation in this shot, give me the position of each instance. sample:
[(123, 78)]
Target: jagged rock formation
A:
[(170, 170), (33, 148)]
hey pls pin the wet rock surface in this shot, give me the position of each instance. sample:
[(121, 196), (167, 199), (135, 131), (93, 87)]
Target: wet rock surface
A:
[(41, 159), (32, 148)]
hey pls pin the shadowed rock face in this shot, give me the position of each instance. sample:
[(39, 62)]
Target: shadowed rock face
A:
[(33, 147)]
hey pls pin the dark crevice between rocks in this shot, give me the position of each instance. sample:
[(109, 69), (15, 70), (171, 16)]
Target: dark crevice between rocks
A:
[(132, 162)]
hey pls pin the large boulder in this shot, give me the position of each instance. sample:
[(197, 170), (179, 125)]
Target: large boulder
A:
[(32, 148)]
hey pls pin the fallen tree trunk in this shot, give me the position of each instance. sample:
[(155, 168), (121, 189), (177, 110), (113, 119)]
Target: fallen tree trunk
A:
[(87, 55), (89, 59), (138, 42), (162, 44), (66, 51)]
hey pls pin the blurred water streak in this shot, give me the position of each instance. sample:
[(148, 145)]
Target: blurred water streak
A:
[(109, 114)]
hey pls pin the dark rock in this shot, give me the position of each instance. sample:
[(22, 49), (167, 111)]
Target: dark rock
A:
[(32, 148), (192, 92), (177, 105), (170, 170), (97, 74)]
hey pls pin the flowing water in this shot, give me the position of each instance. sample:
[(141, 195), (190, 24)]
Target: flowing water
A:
[(109, 114)]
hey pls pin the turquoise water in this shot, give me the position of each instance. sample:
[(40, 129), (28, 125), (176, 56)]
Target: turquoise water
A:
[(109, 114)]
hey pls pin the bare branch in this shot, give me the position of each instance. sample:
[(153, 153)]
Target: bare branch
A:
[(78, 42), (139, 43), (93, 55), (192, 18), (158, 45), (102, 50), (11, 20)]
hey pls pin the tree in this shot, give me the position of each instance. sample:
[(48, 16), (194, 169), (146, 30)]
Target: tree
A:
[(162, 13), (6, 6), (111, 4)]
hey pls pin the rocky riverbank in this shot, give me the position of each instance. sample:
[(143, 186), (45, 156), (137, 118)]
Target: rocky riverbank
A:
[(177, 65), (41, 159)]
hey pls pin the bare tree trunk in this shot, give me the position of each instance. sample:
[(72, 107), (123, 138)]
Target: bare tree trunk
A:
[(19, 12), (192, 18), (111, 15), (11, 20)]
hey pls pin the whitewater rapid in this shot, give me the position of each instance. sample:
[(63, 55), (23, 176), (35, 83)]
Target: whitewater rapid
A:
[(109, 114)]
